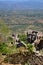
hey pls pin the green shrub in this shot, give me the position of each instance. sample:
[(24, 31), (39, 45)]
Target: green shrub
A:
[(30, 47), (23, 37), (4, 49)]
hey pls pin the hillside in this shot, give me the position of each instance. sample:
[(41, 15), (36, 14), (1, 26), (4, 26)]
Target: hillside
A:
[(3, 28), (21, 20), (21, 32)]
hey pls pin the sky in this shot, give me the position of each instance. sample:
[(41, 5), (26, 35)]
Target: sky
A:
[(21, 0), (21, 4)]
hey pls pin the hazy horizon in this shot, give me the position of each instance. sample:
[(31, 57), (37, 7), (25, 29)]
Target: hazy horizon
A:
[(21, 4)]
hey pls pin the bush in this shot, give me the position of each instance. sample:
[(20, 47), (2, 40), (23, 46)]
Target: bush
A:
[(30, 47), (4, 49), (23, 37)]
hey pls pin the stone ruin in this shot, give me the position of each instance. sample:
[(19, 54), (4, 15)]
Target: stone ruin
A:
[(35, 38)]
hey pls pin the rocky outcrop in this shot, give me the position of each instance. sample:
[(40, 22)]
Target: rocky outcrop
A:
[(26, 57)]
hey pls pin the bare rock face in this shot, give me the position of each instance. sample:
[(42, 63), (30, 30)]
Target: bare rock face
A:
[(40, 45), (22, 58)]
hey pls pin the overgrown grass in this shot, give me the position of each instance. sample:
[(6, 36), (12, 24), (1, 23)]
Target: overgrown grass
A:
[(23, 37), (5, 49), (30, 47)]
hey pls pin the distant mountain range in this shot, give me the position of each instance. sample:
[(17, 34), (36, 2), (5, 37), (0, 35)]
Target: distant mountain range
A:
[(20, 5)]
